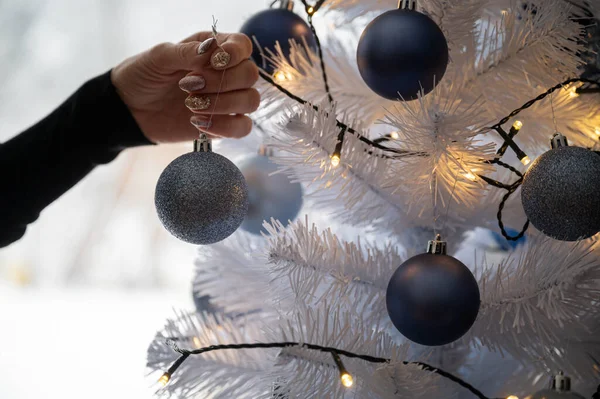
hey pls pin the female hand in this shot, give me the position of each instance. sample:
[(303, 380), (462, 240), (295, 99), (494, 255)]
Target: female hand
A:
[(151, 85)]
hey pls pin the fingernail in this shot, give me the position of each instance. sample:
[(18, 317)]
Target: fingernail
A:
[(205, 45), (220, 59), (192, 83), (200, 121), (197, 103)]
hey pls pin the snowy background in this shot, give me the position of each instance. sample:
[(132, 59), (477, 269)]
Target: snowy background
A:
[(82, 294)]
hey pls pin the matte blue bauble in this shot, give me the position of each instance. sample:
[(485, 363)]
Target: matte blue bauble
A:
[(269, 196), (276, 25), (402, 52), (433, 299)]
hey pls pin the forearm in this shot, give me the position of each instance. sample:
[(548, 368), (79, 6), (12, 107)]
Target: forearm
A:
[(36, 167)]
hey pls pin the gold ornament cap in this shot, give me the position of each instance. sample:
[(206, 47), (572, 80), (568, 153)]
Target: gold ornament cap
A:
[(437, 246)]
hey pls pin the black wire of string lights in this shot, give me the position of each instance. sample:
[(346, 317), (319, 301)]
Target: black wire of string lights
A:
[(310, 11), (345, 377), (498, 127)]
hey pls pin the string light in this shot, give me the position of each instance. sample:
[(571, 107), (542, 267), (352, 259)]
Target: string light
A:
[(573, 92), (504, 12), (310, 10), (470, 176), (197, 342), (164, 379), (395, 135), (337, 152), (517, 125), (598, 131), (525, 160), (347, 380), (512, 397), (280, 76), (335, 160), (345, 376)]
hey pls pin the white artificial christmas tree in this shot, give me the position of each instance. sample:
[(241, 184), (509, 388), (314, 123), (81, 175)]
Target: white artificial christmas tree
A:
[(306, 289)]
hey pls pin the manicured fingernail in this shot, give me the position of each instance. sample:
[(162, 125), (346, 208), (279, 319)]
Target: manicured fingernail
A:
[(200, 121), (192, 83), (197, 103), (205, 45), (220, 59)]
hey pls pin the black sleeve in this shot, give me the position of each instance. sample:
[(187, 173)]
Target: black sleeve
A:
[(37, 166)]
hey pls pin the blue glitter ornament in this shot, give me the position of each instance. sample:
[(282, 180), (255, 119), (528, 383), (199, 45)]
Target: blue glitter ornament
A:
[(561, 192), (201, 197)]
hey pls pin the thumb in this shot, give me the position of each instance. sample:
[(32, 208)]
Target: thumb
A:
[(171, 57)]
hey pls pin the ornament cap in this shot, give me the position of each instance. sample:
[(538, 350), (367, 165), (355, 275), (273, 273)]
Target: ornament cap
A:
[(265, 151), (287, 4), (559, 140), (407, 4), (203, 144), (437, 246), (561, 382)]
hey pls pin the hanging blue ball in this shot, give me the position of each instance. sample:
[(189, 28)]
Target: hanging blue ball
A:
[(201, 198), (401, 53), (269, 196), (433, 299), (276, 25)]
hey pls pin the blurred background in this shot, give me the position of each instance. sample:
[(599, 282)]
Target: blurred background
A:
[(82, 294)]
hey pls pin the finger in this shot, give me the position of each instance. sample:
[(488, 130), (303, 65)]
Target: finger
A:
[(233, 102), (235, 49), (169, 57), (232, 126), (240, 77)]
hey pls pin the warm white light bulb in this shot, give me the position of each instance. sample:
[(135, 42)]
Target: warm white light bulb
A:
[(280, 76), (598, 131), (512, 397), (517, 125), (310, 10), (470, 176), (197, 342), (573, 92), (347, 380), (395, 135), (335, 160), (164, 379), (525, 161)]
